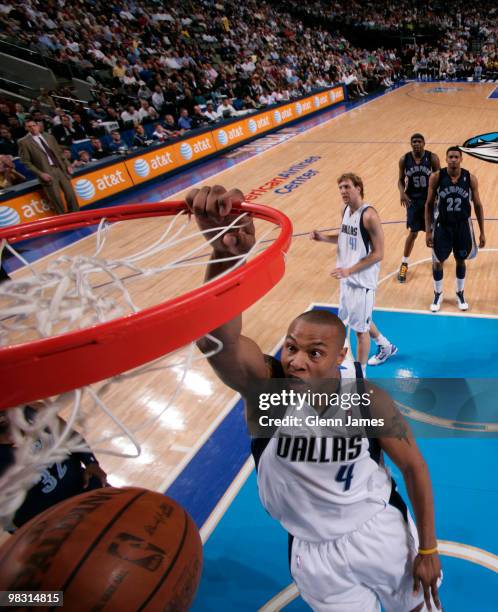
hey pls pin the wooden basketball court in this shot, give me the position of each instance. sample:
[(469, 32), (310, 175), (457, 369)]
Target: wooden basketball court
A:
[(367, 140)]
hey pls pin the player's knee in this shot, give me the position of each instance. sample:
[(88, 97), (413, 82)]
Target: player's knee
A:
[(460, 268), (437, 271)]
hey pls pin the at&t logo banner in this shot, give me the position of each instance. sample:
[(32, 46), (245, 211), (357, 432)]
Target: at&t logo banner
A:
[(160, 161), (101, 183), (110, 180), (22, 209)]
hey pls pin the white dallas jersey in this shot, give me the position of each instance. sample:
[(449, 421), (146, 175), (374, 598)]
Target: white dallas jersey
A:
[(319, 488), (353, 245)]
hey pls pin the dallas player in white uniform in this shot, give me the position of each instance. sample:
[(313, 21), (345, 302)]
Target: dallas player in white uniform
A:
[(354, 546), (360, 249)]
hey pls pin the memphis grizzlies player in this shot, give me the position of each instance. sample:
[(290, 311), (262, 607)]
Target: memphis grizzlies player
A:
[(454, 188), (360, 249), (79, 473), (415, 169), (353, 545)]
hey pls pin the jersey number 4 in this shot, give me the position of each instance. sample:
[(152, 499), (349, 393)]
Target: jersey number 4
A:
[(345, 475)]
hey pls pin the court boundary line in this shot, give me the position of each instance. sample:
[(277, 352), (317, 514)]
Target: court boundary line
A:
[(444, 104), (193, 450), (226, 500), (417, 311), (495, 89)]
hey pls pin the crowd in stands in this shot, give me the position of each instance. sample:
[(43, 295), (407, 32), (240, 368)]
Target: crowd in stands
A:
[(457, 25), (158, 71)]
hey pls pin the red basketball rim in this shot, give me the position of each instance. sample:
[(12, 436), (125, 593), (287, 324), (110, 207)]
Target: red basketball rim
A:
[(54, 365)]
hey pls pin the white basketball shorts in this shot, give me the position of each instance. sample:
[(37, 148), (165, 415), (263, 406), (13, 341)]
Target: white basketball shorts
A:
[(356, 306), (361, 570)]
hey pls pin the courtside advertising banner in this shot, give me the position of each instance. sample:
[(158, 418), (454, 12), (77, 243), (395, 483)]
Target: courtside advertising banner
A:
[(101, 183), (228, 135), (28, 207), (158, 162), (111, 180)]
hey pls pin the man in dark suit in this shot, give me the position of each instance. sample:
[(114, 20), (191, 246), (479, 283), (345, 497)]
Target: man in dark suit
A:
[(41, 154), (64, 132), (8, 146)]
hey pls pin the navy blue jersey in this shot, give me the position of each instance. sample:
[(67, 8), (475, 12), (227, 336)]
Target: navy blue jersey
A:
[(57, 483), (418, 175), (453, 203)]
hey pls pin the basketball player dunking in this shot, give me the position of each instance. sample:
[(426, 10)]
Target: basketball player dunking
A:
[(353, 545), (360, 249), (454, 188), (415, 168)]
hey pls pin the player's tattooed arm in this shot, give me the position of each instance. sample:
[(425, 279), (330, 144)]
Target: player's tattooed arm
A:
[(383, 409), (398, 443), (399, 428)]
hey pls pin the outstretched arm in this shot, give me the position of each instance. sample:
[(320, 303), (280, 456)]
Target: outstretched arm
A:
[(476, 198), (240, 361), (331, 237), (429, 207), (399, 444)]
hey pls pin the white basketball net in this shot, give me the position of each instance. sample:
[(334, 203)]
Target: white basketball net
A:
[(65, 297)]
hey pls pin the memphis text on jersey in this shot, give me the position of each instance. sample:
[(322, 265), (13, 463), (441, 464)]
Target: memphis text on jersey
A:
[(314, 420), (454, 189)]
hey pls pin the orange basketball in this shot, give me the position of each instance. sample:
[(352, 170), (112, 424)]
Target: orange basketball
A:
[(109, 549)]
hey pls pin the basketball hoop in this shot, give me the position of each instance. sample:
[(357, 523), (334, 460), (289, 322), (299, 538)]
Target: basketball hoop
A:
[(64, 362), (104, 350)]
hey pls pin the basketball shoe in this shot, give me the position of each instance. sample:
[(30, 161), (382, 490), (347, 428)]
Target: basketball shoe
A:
[(383, 353), (436, 304), (462, 304), (403, 269)]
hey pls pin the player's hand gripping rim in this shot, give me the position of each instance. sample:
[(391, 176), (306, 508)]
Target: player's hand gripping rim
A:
[(426, 573), (212, 208)]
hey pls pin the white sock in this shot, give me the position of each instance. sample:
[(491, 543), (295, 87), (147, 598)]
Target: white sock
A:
[(438, 286), (404, 259), (381, 340), (364, 369), (460, 283)]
